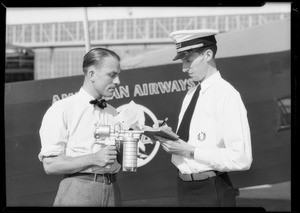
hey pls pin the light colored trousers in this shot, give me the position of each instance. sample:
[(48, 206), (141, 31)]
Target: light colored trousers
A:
[(73, 191)]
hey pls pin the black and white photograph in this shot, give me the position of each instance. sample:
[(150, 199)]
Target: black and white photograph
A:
[(127, 106)]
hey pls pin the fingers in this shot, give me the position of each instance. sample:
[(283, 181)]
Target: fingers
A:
[(181, 141), (106, 156), (109, 151), (164, 146), (160, 121), (161, 124), (112, 152), (161, 139), (156, 125), (110, 161), (112, 157), (164, 140), (157, 137), (111, 147)]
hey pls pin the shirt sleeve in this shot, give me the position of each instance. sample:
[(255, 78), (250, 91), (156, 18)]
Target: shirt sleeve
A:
[(53, 131), (235, 154)]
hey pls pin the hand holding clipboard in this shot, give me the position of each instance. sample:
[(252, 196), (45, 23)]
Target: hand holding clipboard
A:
[(160, 131)]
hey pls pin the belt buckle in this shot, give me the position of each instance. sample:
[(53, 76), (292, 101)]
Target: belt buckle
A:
[(102, 178), (108, 177), (95, 176), (204, 176), (200, 177)]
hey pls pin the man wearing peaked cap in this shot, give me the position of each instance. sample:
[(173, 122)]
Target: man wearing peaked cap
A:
[(187, 40), (212, 126)]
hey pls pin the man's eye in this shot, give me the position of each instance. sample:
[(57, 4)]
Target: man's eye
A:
[(113, 75)]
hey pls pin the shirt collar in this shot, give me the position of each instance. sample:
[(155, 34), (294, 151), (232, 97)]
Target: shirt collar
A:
[(210, 81), (85, 95)]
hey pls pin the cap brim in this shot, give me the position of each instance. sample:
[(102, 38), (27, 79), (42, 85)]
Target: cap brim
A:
[(179, 56)]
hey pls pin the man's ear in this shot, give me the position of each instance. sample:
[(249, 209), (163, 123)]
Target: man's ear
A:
[(208, 55), (91, 74)]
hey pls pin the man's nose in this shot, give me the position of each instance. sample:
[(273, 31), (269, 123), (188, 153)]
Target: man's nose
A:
[(116, 80), (185, 70), (185, 67)]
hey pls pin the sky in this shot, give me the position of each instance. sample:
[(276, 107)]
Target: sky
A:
[(47, 14)]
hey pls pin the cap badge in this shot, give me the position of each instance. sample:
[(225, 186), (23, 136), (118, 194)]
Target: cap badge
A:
[(201, 136), (178, 45)]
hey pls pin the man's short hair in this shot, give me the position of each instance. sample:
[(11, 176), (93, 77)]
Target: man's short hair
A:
[(96, 57), (213, 48)]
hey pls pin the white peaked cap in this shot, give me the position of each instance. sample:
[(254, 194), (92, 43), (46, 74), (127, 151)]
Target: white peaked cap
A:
[(186, 40)]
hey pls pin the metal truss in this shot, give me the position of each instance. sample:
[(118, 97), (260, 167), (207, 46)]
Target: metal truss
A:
[(127, 31)]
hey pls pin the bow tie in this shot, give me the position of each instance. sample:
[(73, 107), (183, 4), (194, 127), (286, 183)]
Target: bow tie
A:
[(101, 104)]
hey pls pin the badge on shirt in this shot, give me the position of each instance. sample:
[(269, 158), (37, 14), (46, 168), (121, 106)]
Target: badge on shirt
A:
[(201, 136)]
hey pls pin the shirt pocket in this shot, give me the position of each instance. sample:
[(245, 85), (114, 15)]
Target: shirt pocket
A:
[(204, 128)]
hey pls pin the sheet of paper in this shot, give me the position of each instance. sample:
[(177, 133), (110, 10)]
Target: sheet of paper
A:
[(131, 116)]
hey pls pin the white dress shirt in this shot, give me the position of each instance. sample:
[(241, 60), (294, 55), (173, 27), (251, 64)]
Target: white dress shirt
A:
[(68, 126), (219, 129)]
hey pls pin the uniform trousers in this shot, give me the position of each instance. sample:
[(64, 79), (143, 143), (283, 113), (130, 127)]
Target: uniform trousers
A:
[(215, 191), (74, 191)]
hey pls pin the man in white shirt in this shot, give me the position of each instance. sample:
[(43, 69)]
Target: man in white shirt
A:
[(212, 125), (67, 137)]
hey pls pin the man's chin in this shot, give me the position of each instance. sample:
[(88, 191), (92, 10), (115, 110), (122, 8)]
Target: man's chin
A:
[(109, 94), (194, 79)]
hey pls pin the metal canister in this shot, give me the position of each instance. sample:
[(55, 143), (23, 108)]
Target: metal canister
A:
[(130, 149)]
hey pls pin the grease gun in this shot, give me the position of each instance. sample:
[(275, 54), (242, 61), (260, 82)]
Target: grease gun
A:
[(108, 135)]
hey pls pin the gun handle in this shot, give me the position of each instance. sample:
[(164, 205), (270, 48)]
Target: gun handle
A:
[(110, 142)]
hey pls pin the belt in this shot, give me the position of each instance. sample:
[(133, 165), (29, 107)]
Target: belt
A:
[(102, 178), (198, 176)]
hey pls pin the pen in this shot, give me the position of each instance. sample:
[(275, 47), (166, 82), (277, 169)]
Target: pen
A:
[(164, 121)]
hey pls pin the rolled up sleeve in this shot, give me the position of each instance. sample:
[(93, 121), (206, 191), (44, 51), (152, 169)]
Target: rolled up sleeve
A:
[(53, 132)]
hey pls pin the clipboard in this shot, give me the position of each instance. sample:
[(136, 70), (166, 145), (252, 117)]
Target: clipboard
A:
[(164, 133)]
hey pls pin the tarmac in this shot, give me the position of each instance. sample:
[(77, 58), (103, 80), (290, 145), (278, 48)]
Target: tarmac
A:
[(275, 197)]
